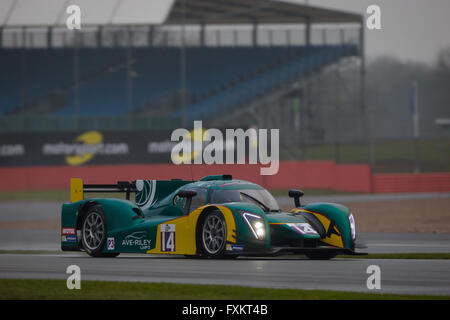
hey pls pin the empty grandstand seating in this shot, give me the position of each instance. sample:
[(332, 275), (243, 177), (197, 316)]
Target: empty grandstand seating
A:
[(217, 78), (308, 61)]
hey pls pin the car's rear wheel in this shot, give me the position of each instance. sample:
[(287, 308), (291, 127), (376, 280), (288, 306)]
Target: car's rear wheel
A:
[(213, 235), (93, 232)]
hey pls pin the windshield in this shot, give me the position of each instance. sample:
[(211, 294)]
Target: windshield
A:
[(260, 197)]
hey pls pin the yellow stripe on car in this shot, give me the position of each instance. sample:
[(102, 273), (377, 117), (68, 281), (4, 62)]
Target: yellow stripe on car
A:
[(185, 231), (334, 239)]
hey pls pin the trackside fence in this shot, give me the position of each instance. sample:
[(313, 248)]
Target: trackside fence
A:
[(291, 174)]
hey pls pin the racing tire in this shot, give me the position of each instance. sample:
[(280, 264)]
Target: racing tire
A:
[(320, 256), (212, 235), (93, 232)]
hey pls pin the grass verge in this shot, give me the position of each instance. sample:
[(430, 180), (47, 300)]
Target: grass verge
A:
[(18, 289)]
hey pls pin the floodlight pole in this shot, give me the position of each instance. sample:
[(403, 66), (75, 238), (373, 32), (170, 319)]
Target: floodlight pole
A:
[(99, 36), (76, 78), (151, 31), (416, 131), (183, 65), (202, 34), (255, 33), (364, 113), (129, 79), (308, 32), (49, 37)]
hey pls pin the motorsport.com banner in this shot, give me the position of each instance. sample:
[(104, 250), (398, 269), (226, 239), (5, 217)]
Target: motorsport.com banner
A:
[(85, 148)]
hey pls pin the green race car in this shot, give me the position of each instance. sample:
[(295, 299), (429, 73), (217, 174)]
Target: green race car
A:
[(215, 217)]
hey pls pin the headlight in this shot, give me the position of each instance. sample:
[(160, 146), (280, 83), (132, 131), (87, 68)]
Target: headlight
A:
[(352, 226), (256, 224)]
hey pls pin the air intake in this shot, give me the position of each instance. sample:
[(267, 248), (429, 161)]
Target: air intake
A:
[(217, 177)]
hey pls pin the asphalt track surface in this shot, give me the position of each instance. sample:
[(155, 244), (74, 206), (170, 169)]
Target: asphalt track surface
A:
[(397, 276)]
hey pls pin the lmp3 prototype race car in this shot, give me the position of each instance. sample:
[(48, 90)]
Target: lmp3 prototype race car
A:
[(215, 217)]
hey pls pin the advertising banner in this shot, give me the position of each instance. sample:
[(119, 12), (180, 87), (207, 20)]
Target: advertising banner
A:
[(85, 148)]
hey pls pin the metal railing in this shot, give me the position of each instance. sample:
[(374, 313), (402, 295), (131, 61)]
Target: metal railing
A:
[(172, 36)]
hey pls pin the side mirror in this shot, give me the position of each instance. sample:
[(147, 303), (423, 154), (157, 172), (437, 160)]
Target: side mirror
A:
[(296, 194), (188, 194)]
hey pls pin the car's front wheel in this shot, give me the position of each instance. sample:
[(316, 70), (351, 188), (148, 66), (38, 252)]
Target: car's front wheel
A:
[(213, 235), (93, 232)]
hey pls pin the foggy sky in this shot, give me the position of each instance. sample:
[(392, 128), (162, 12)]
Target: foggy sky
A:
[(412, 30)]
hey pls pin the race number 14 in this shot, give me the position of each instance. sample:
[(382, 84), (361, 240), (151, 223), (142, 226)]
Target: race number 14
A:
[(167, 237)]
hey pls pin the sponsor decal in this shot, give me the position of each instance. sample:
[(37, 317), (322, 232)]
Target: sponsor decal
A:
[(70, 231), (302, 228), (138, 239), (110, 244), (71, 238), (168, 237), (234, 247), (63, 238), (145, 195)]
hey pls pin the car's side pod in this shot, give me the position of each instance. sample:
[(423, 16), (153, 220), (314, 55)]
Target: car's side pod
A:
[(331, 221)]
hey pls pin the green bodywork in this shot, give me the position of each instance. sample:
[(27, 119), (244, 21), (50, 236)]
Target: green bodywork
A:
[(134, 226)]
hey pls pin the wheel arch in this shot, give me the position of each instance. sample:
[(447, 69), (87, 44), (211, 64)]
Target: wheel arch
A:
[(82, 211), (334, 220), (229, 220), (118, 213)]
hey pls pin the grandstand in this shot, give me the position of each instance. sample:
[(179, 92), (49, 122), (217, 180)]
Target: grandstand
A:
[(183, 61)]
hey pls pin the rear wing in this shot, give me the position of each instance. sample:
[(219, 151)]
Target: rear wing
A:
[(147, 192), (77, 188)]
